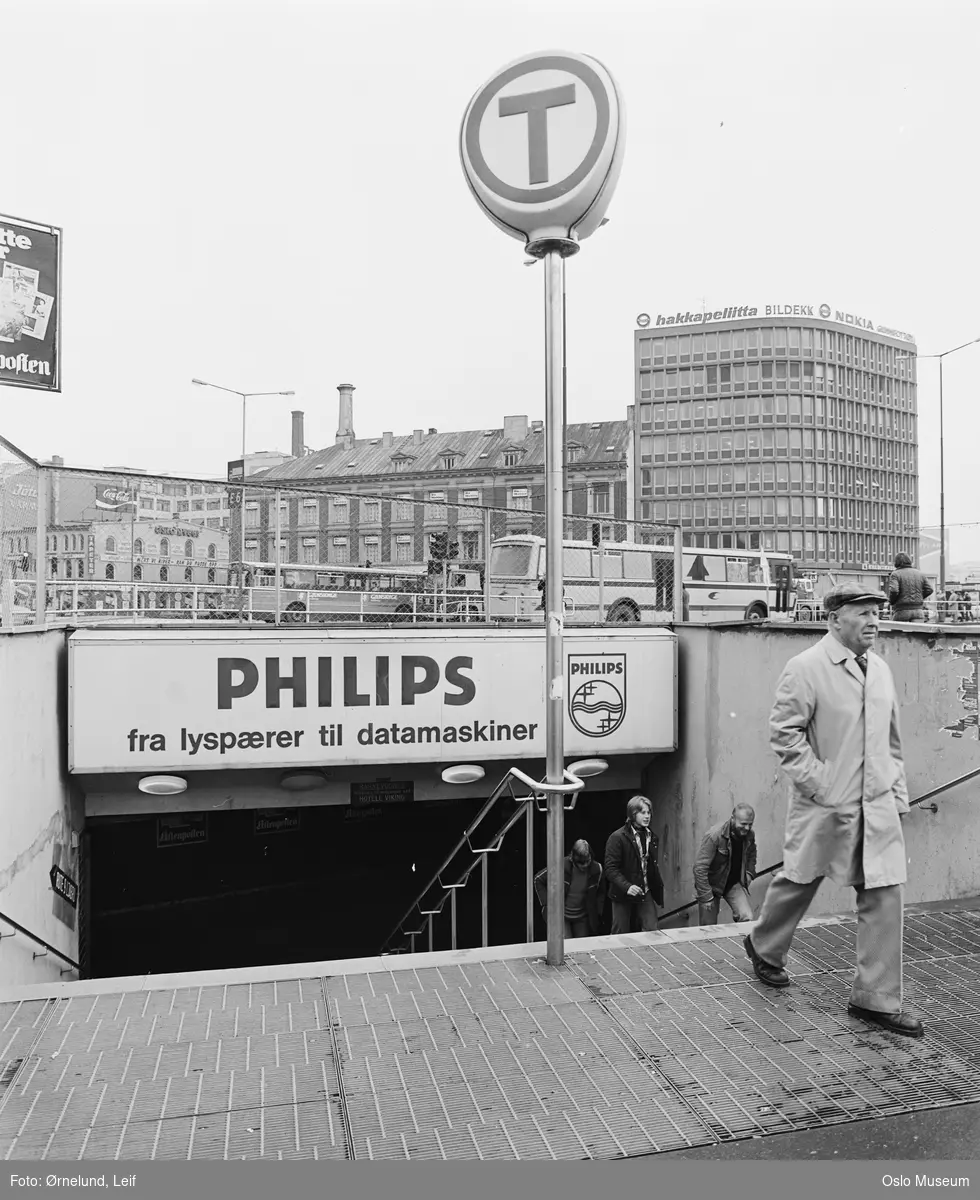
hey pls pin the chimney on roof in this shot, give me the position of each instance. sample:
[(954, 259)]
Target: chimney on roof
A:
[(298, 442), (537, 426), (417, 435), (515, 429), (345, 427), (386, 439)]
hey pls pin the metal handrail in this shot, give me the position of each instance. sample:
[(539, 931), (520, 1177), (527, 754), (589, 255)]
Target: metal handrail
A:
[(40, 941), (943, 787), (428, 908)]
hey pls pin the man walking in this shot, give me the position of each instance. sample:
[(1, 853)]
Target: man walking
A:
[(632, 875), (834, 726), (908, 590), (584, 891), (725, 866)]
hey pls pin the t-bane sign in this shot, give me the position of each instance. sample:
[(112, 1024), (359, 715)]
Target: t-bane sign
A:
[(542, 146)]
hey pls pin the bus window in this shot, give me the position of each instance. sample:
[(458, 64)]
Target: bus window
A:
[(511, 560), (738, 570)]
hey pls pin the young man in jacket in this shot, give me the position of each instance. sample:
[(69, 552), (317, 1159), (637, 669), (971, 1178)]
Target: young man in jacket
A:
[(584, 891), (632, 875), (725, 866), (835, 729), (908, 590)]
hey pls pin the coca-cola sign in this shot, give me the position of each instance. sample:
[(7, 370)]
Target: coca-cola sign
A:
[(114, 497)]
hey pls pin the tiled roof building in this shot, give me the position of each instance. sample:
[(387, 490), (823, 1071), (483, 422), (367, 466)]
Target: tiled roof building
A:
[(388, 494)]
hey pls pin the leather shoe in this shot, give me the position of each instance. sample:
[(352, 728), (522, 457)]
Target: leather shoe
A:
[(765, 972), (900, 1022)]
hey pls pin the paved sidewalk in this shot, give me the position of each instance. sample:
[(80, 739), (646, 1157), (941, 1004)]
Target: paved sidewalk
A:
[(642, 1044)]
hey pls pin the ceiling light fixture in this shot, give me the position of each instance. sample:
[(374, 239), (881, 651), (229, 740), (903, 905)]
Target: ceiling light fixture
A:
[(162, 785), (301, 781), (463, 773)]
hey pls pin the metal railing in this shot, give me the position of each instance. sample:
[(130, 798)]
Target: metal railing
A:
[(48, 948), (937, 791), (456, 869)]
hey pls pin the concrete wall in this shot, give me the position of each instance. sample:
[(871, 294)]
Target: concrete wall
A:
[(39, 809), (727, 682)]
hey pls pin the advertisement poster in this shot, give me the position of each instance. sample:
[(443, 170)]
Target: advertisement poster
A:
[(160, 700), (30, 296)]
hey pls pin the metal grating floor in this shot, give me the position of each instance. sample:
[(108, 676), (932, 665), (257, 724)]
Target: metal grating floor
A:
[(625, 1050)]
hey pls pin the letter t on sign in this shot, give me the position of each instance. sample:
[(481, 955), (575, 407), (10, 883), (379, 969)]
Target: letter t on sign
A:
[(536, 105)]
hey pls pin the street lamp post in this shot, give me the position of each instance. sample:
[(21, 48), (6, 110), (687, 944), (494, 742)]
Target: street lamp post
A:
[(245, 397), (942, 471)]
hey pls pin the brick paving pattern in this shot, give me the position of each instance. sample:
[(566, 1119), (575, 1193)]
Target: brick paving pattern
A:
[(636, 1049)]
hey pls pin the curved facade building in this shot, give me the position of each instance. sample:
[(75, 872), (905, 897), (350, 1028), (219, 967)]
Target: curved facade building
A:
[(786, 427)]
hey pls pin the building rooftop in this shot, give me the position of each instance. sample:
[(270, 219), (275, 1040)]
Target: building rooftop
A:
[(472, 450)]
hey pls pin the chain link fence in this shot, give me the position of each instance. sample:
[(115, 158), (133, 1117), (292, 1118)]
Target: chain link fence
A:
[(19, 498), (134, 547)]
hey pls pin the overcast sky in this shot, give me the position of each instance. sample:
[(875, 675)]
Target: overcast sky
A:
[(269, 196)]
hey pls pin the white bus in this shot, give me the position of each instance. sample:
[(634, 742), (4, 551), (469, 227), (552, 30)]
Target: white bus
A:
[(737, 585), (381, 593), (622, 582), (618, 582)]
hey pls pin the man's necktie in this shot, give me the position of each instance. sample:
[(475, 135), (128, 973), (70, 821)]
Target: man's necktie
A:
[(862, 662)]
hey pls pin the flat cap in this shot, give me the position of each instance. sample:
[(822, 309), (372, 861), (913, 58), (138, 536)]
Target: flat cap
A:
[(850, 593)]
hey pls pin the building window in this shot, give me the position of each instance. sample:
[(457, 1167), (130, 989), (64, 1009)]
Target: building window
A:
[(138, 546), (163, 506), (404, 508), (165, 547), (188, 574), (164, 575), (183, 505), (371, 512), (110, 571), (309, 550), (403, 549), (188, 549), (435, 510), (339, 510), (449, 461), (137, 573), (512, 457), (469, 544), (211, 575), (251, 515), (599, 498), (110, 545), (520, 499), (212, 550), (371, 549), (309, 512), (338, 550)]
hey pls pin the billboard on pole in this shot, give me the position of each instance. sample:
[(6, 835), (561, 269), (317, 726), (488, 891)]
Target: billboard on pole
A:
[(30, 304)]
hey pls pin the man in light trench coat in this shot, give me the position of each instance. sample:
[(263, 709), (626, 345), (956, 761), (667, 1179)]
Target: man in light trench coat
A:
[(834, 726)]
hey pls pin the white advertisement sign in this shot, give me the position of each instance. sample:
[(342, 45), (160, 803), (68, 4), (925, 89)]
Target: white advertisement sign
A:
[(163, 701)]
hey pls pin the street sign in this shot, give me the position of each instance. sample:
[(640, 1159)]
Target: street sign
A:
[(64, 885), (542, 146)]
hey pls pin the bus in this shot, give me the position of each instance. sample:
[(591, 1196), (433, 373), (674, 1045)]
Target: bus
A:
[(619, 582), (335, 592), (623, 582), (737, 585)]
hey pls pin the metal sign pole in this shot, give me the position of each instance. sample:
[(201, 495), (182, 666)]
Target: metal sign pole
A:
[(41, 555), (554, 304), (552, 209)]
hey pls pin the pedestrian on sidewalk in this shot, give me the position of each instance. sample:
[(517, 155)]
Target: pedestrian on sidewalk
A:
[(585, 891), (908, 590), (725, 867), (835, 729), (632, 875)]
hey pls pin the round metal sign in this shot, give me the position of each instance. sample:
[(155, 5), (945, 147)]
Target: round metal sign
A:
[(542, 146)]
